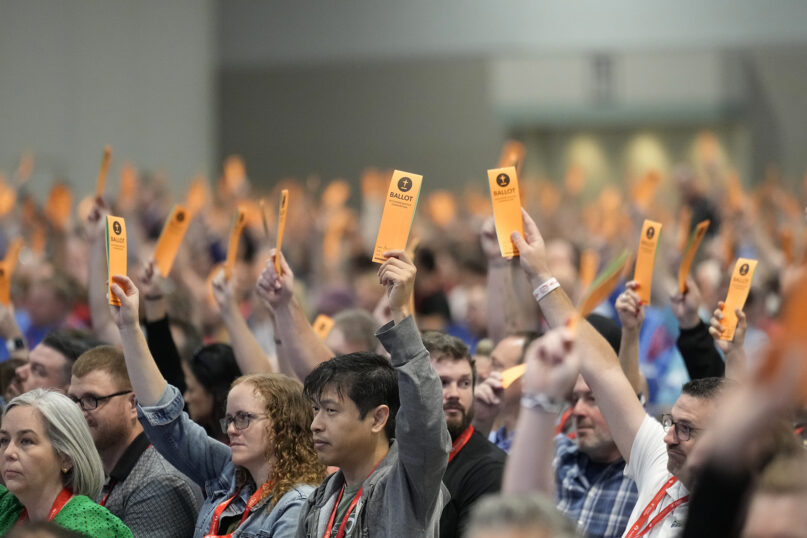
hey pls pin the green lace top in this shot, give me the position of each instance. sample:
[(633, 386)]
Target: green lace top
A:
[(80, 514)]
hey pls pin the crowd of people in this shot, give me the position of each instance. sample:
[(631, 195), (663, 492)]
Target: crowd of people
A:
[(207, 402)]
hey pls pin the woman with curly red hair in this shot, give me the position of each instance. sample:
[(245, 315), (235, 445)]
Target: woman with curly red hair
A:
[(258, 484)]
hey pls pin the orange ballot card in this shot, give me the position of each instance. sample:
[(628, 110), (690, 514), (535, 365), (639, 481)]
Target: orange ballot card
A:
[(239, 221), (506, 207), (102, 172), (739, 287), (7, 266), (689, 254), (399, 210), (115, 251), (281, 226), (171, 237), (513, 153), (646, 257), (510, 375), (59, 205), (322, 325), (197, 195)]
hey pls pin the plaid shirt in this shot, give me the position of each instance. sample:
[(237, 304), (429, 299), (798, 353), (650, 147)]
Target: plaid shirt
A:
[(599, 500)]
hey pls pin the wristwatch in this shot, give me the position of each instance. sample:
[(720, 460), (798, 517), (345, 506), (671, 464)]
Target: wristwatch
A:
[(15, 344)]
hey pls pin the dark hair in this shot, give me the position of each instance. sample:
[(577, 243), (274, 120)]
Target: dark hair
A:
[(215, 368), (705, 388), (71, 344), (366, 378), (451, 346), (608, 329)]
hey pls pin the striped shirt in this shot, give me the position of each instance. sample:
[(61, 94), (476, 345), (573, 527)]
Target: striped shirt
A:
[(598, 497)]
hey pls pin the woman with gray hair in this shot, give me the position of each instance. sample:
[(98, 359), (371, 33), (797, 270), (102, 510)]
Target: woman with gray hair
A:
[(50, 467)]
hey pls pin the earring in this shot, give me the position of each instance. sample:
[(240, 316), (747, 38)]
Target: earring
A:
[(64, 471)]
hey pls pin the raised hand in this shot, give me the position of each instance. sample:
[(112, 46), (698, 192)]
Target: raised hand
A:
[(532, 251), (95, 225), (716, 329), (629, 307), (273, 289), (223, 293), (552, 365), (398, 275), (125, 316)]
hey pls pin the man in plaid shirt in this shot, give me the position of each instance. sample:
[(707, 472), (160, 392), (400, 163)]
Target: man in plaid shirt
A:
[(591, 488)]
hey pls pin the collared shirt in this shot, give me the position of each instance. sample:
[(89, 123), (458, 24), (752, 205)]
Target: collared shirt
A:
[(648, 467), (501, 439), (149, 495), (599, 497)]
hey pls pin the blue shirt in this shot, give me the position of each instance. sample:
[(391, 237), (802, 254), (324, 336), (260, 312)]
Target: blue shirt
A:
[(598, 497), (209, 463)]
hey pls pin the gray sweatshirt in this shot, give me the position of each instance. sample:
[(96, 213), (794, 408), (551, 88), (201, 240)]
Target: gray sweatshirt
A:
[(405, 495)]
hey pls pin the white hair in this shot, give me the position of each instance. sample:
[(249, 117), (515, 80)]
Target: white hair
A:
[(67, 431)]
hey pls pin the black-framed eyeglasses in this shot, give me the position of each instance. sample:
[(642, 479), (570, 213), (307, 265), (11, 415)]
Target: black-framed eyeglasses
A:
[(682, 431), (240, 420), (88, 402)]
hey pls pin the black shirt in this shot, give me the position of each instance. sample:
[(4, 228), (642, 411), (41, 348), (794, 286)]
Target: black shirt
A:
[(475, 471)]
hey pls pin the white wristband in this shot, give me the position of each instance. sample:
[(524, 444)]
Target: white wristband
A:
[(543, 402), (546, 288)]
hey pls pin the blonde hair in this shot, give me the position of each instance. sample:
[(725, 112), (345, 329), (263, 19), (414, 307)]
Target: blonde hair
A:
[(67, 431)]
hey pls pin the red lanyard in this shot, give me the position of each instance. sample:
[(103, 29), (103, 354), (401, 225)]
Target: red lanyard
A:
[(651, 506), (253, 500), (63, 498), (460, 442), (341, 532)]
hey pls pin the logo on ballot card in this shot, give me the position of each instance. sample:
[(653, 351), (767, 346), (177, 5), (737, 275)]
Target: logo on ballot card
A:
[(116, 252), (739, 287), (651, 233), (399, 210), (506, 200)]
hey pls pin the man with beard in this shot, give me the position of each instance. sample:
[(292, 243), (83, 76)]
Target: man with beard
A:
[(475, 465), (150, 496)]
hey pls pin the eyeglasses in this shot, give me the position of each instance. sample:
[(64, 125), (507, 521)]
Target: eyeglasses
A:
[(88, 402), (241, 420), (682, 431)]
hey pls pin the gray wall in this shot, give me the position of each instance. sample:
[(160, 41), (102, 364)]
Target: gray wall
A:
[(80, 74), (430, 117)]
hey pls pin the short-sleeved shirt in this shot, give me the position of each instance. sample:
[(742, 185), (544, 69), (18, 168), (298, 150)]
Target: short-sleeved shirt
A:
[(648, 468), (598, 497)]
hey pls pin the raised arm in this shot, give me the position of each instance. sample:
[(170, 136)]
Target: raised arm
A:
[(694, 342), (599, 364), (630, 309), (147, 381), (182, 442), (552, 367), (102, 324), (297, 343), (248, 352), (420, 426), (733, 350)]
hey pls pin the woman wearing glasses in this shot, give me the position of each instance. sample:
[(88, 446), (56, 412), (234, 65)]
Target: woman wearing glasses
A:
[(257, 485), (50, 467)]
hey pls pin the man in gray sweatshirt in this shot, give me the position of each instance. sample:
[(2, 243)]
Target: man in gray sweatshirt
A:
[(385, 487)]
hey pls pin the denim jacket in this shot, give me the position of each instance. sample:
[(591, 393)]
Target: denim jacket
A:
[(209, 463), (405, 495)]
